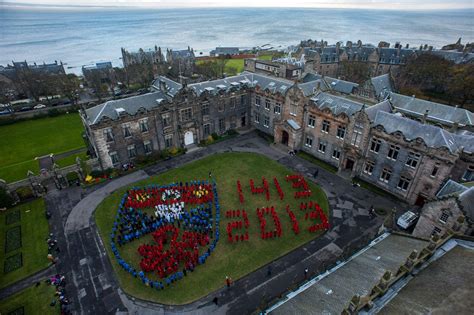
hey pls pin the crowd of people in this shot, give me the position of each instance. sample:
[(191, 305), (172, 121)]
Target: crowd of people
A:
[(182, 239), (278, 188), (294, 222), (237, 225), (240, 192), (262, 189), (263, 223), (59, 281)]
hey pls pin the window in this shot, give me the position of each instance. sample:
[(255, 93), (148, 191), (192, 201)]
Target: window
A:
[(207, 130), (444, 216), (325, 127), (143, 125), (375, 145), (393, 152), (114, 157), (131, 151), (257, 118), (267, 104), (293, 109), (413, 159), (166, 119), (266, 121), (232, 102), (436, 231), (308, 142), (385, 175), (435, 170), (222, 124), (369, 167), (186, 114), (148, 147), (126, 130), (277, 108), (109, 136), (341, 132), (220, 106), (468, 174), (357, 135), (205, 109), (311, 121), (257, 100), (336, 154), (322, 147), (403, 183), (168, 141), (243, 99)]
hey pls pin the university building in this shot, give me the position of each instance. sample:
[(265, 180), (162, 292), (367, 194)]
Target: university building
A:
[(406, 146)]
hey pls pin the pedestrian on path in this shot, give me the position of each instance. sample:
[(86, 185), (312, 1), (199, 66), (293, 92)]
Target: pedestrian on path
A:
[(316, 172), (306, 273), (228, 281), (210, 174), (215, 300), (269, 270)]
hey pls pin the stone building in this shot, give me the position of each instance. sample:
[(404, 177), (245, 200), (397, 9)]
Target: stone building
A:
[(405, 146), (101, 70), (152, 57), (277, 69), (181, 61)]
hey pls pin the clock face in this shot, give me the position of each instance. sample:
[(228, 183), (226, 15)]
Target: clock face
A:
[(174, 228)]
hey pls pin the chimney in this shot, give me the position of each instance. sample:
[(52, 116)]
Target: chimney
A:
[(425, 116), (455, 127), (359, 43), (430, 48), (338, 45), (349, 44), (407, 46)]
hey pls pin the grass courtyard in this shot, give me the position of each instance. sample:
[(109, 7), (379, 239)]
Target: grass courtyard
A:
[(233, 259), (23, 249), (21, 142), (33, 300)]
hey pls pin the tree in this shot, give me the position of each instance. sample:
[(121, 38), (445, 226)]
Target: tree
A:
[(461, 86), (6, 201), (355, 71), (95, 81), (68, 85)]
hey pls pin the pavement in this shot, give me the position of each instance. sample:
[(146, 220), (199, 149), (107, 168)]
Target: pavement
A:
[(92, 284)]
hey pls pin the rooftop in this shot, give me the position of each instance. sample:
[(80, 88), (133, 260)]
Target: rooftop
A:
[(336, 104), (331, 294)]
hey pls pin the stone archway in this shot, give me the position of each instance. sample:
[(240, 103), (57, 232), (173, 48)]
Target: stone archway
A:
[(284, 137), (188, 138)]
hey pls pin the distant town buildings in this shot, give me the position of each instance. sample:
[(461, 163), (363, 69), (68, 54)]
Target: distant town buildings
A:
[(12, 71), (327, 59), (102, 71), (224, 51)]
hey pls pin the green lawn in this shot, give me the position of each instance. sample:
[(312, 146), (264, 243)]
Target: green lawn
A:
[(328, 167), (70, 160), (34, 232), (23, 141), (236, 259), (35, 300)]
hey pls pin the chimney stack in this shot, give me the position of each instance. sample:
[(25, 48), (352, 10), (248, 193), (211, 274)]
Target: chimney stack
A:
[(425, 116)]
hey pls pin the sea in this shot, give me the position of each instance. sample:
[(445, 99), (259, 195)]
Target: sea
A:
[(84, 36)]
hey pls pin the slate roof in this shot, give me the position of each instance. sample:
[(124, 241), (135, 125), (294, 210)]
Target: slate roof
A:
[(457, 57), (185, 53), (443, 114), (313, 87), (293, 124), (381, 83), (341, 86), (433, 136), (130, 105), (467, 202), (451, 188), (336, 104), (372, 111), (245, 79), (227, 50), (172, 86)]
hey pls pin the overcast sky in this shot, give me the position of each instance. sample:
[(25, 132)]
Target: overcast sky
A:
[(368, 4)]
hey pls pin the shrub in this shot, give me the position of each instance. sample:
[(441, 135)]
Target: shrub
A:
[(12, 217), (215, 136), (24, 192), (232, 132), (6, 201), (72, 176)]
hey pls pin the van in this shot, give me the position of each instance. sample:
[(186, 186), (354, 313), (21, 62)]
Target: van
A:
[(407, 219)]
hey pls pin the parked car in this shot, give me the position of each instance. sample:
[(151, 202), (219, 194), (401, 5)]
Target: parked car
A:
[(39, 106), (25, 108), (407, 219)]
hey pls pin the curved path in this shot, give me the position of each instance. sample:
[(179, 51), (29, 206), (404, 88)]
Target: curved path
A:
[(93, 286)]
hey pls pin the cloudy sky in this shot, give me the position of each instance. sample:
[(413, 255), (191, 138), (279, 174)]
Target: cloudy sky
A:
[(368, 4)]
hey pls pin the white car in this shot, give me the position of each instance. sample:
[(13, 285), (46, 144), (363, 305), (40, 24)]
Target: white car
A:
[(39, 106), (407, 219)]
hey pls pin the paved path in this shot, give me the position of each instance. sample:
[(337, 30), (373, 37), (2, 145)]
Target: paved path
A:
[(27, 282), (81, 214), (93, 286)]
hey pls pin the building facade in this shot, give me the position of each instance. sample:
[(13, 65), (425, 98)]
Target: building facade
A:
[(390, 144)]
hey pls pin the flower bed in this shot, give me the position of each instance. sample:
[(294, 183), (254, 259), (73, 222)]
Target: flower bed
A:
[(13, 263), (13, 239)]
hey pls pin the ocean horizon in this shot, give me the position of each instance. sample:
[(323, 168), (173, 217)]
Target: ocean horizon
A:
[(83, 36)]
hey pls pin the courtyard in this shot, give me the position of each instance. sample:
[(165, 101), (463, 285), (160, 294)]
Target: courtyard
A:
[(234, 259)]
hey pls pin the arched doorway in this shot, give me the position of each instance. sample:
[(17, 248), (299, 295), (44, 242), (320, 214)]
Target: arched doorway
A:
[(284, 137), (188, 138)]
